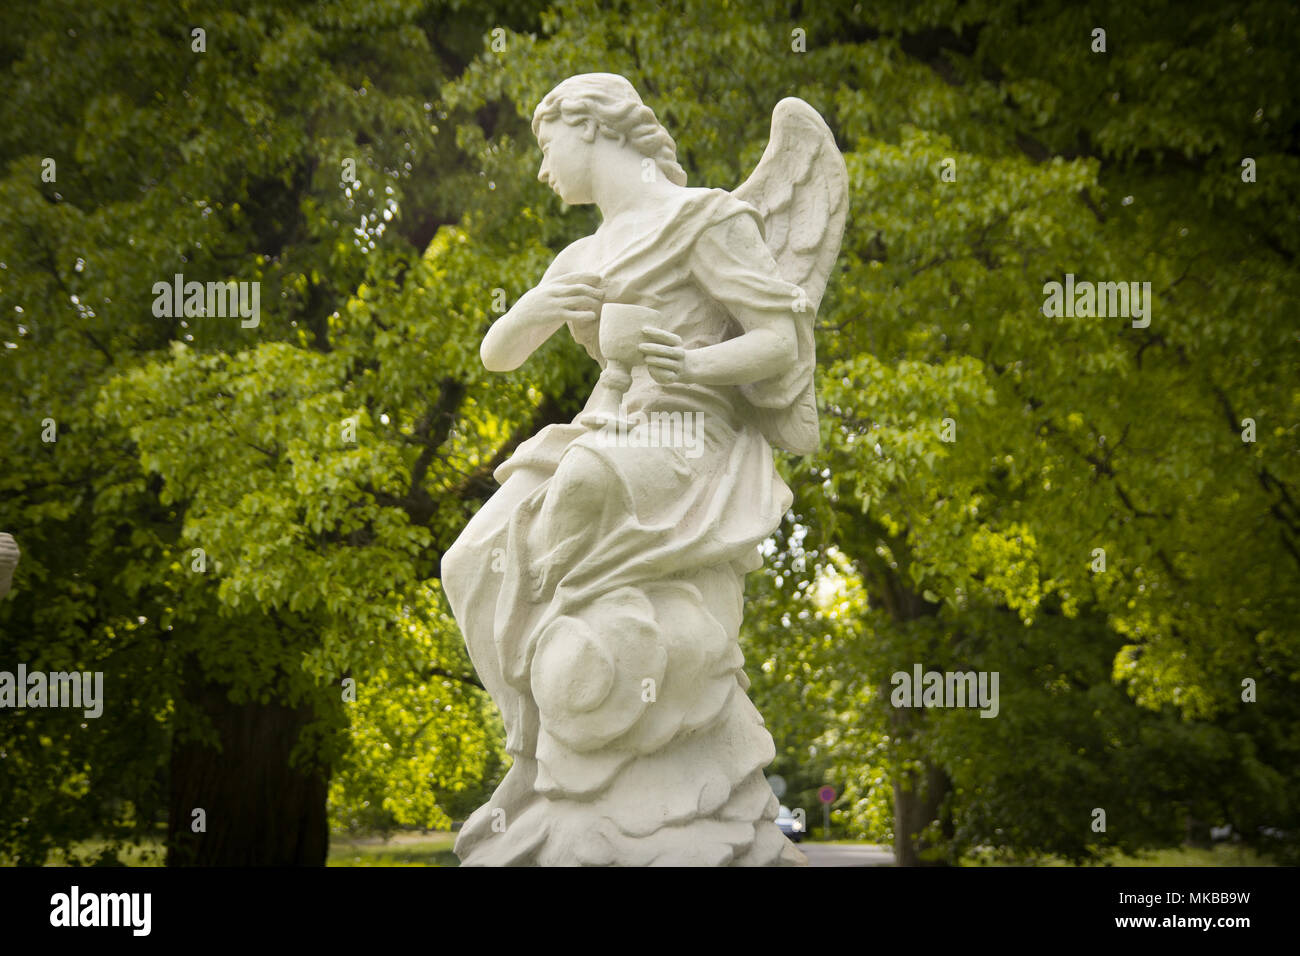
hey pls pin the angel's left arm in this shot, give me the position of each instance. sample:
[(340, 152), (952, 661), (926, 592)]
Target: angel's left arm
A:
[(734, 266)]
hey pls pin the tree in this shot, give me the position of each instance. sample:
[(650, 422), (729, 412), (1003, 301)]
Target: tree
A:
[(992, 152), (977, 451), (251, 144)]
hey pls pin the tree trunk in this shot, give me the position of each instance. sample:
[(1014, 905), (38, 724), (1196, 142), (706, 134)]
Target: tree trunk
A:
[(917, 801), (919, 798), (257, 810)]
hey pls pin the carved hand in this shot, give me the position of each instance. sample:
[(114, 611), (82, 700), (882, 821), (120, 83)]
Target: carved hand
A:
[(664, 356), (575, 297), (751, 357)]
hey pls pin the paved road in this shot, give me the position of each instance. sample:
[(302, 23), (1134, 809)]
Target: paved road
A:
[(847, 854)]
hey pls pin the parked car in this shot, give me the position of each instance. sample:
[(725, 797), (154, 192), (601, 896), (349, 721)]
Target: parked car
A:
[(793, 826)]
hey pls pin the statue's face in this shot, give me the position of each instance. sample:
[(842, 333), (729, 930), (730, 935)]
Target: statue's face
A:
[(566, 160)]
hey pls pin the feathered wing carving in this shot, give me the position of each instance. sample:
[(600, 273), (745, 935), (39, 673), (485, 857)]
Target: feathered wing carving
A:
[(801, 189)]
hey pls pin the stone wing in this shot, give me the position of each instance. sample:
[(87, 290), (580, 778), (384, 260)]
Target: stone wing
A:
[(801, 189)]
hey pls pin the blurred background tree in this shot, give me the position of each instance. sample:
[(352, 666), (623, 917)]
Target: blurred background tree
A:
[(370, 164)]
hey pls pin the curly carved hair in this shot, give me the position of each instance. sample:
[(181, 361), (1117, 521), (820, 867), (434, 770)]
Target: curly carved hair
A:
[(613, 104)]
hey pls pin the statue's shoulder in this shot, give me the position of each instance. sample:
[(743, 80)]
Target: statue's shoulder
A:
[(717, 203), (572, 258), (719, 213), (724, 218)]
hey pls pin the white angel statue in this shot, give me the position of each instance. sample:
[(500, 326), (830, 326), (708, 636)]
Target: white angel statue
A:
[(600, 589)]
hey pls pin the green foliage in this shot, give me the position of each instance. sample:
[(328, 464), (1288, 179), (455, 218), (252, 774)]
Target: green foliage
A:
[(1120, 689), (178, 434)]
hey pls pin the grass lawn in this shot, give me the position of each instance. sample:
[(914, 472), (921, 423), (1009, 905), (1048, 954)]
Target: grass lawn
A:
[(435, 849), (146, 853), (402, 849), (1222, 854)]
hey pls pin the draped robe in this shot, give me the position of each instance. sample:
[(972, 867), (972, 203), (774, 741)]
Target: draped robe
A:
[(600, 590)]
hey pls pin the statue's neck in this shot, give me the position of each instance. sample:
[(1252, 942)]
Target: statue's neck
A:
[(627, 196)]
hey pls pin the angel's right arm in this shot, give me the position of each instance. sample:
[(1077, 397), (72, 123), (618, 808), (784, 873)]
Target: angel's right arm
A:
[(565, 294)]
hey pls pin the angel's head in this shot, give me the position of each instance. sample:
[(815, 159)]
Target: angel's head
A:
[(590, 105)]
